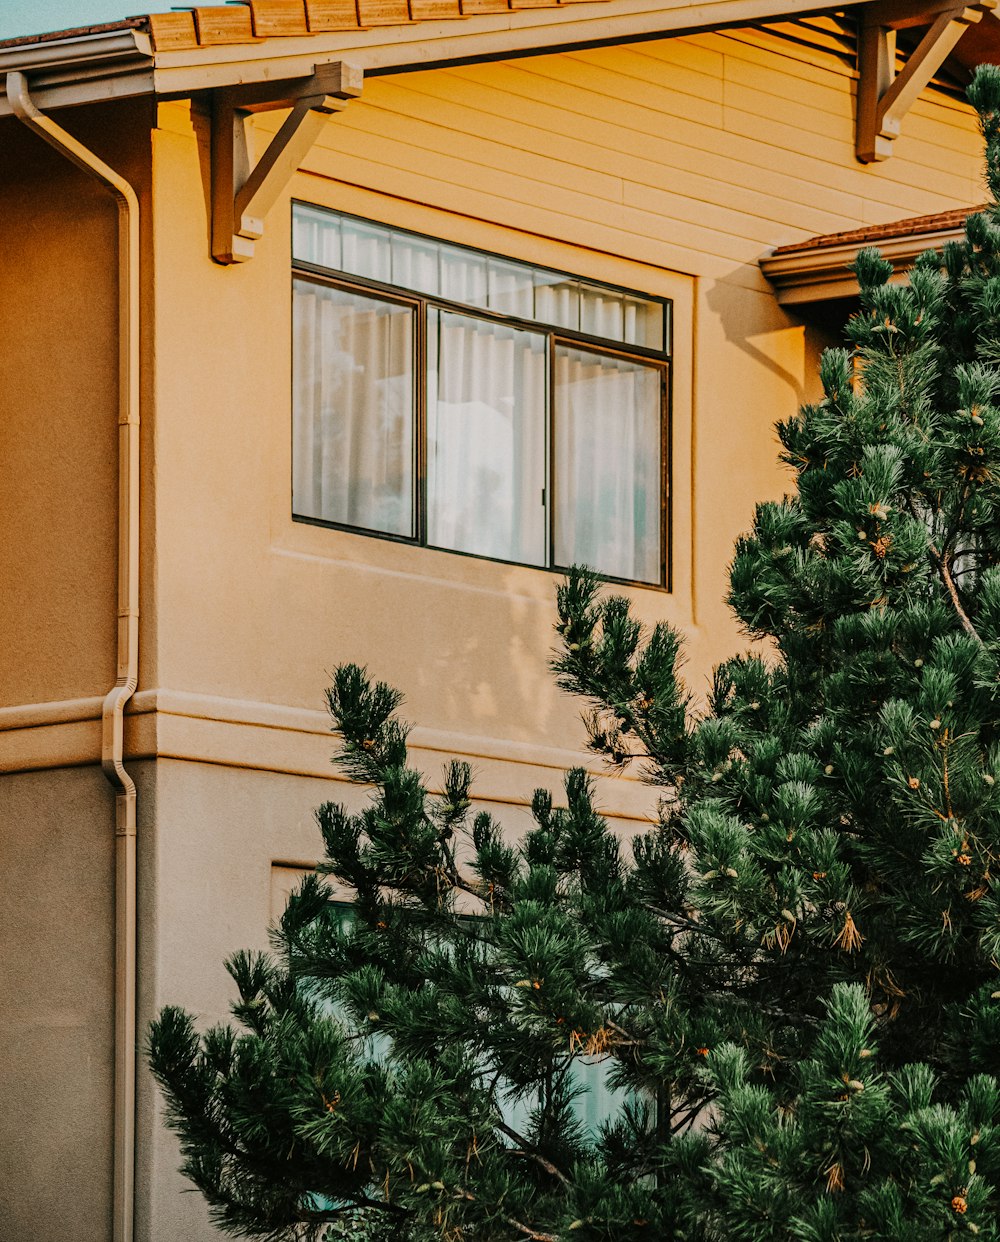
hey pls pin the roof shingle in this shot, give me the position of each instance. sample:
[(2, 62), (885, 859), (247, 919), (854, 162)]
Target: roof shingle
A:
[(250, 21), (871, 235)]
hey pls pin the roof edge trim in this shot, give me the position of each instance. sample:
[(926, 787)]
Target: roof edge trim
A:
[(109, 45), (85, 62), (78, 67), (819, 273)]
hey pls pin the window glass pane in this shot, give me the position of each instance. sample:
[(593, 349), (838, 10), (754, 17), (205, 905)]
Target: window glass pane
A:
[(486, 438), (557, 300), (607, 449), (459, 274), (598, 1102), (463, 276), (352, 409), (511, 290), (621, 316), (415, 264), (645, 323), (316, 237), (601, 313), (367, 250)]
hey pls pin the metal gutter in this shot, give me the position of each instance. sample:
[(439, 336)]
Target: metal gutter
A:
[(81, 68), (819, 273), (112, 745), (109, 46)]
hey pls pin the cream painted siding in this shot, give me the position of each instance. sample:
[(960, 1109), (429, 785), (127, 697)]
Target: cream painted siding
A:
[(696, 154)]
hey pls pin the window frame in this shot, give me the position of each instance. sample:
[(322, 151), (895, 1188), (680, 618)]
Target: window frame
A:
[(420, 303)]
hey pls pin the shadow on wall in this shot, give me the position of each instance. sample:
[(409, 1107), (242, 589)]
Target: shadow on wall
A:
[(756, 325)]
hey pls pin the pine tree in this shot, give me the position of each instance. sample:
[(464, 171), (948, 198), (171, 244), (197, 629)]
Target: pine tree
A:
[(794, 977)]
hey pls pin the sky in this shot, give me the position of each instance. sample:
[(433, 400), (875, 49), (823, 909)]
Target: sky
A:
[(26, 17)]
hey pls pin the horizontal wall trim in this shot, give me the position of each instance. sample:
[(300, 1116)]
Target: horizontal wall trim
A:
[(63, 711), (183, 725)]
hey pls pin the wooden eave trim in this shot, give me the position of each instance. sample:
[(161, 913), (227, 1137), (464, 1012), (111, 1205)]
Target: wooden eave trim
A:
[(426, 44), (819, 274), (121, 64)]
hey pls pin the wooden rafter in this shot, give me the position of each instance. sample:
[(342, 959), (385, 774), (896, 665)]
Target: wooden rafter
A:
[(242, 194), (885, 95)]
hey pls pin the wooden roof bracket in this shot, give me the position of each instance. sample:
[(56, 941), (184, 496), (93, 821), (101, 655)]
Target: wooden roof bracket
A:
[(885, 96), (242, 192)]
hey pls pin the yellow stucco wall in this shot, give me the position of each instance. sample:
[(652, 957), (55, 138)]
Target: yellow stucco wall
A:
[(669, 167)]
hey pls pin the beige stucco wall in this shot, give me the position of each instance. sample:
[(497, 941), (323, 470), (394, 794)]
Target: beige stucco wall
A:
[(669, 167), (58, 398), (56, 1006), (58, 491)]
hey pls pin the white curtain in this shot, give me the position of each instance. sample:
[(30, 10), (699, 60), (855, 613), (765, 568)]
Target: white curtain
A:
[(463, 275), (607, 450), (486, 438), (601, 314), (557, 301), (316, 236), (352, 409), (416, 264), (597, 1102), (511, 289), (459, 274)]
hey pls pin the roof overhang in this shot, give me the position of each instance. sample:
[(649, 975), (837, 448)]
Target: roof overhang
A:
[(127, 60), (815, 271)]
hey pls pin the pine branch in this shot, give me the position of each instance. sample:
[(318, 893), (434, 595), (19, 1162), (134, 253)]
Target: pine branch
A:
[(531, 1153), (944, 568)]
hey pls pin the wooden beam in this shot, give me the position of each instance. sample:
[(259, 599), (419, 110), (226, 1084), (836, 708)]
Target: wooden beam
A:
[(341, 79), (904, 14), (876, 69), (242, 192), (923, 62), (885, 96)]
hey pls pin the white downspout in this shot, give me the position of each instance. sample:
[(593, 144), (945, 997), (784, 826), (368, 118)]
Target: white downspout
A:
[(112, 743)]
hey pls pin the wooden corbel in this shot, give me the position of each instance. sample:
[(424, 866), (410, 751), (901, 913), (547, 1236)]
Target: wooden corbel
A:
[(242, 194), (885, 96)]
